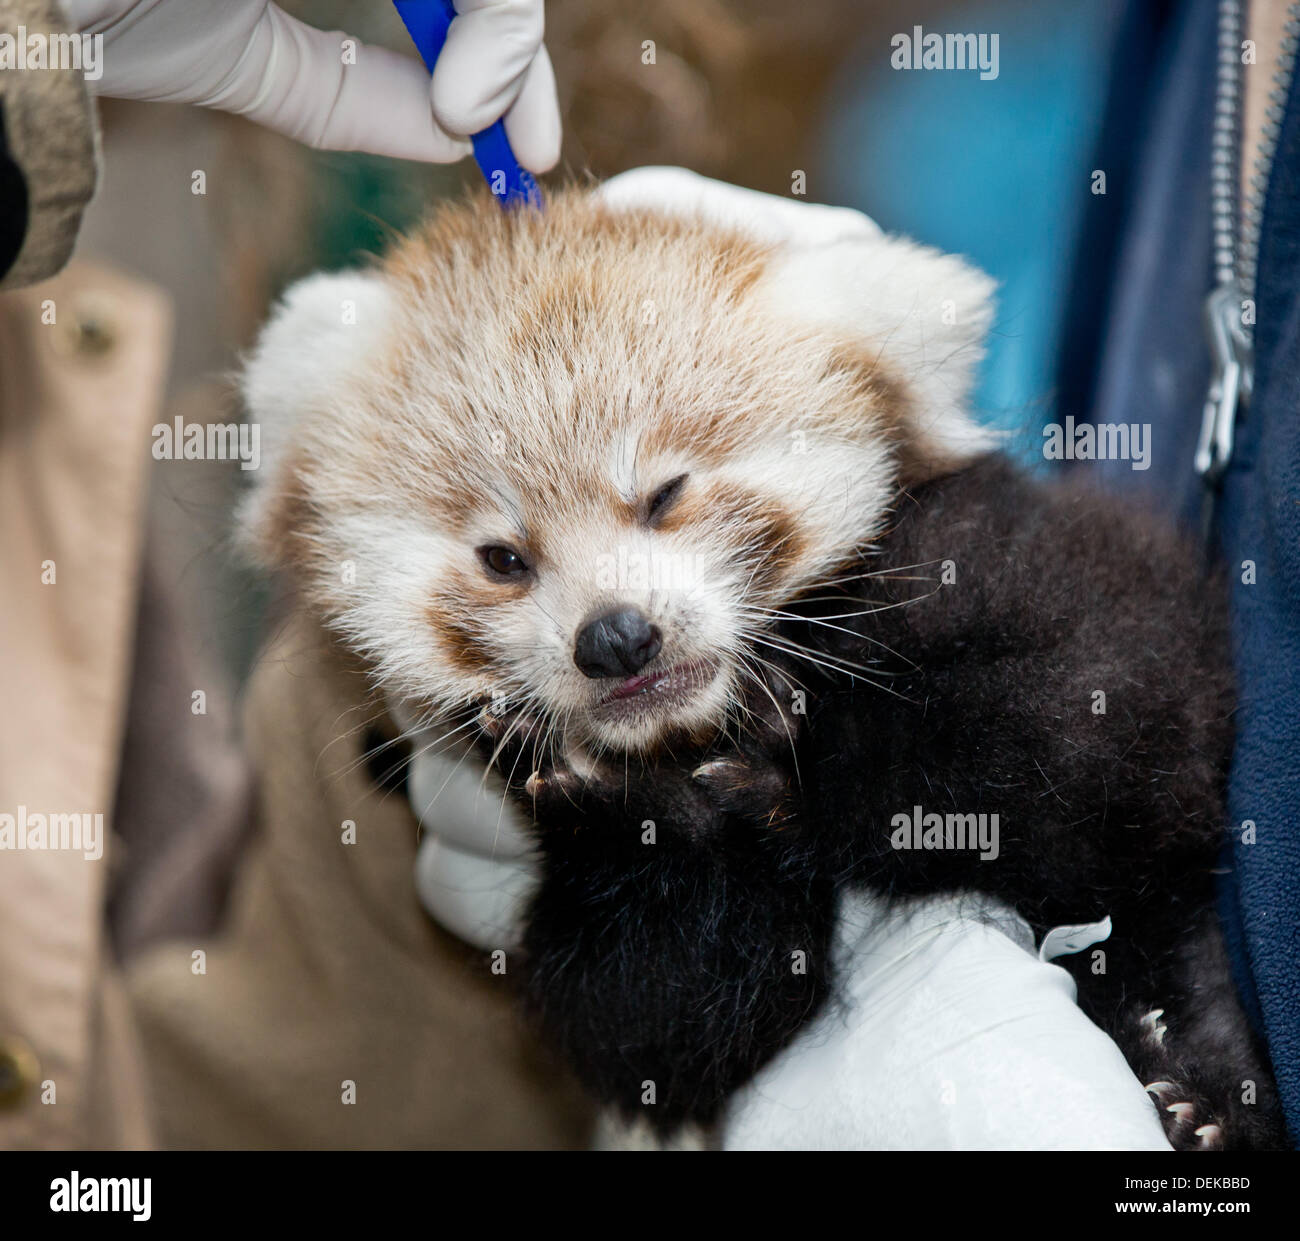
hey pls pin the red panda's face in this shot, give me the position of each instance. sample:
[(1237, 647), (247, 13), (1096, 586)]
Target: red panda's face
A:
[(572, 465), (621, 588)]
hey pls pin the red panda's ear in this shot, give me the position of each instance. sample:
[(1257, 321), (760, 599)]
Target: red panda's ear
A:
[(909, 317), (884, 403), (326, 330), (913, 324)]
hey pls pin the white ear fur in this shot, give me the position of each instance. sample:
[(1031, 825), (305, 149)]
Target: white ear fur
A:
[(925, 313), (325, 328)]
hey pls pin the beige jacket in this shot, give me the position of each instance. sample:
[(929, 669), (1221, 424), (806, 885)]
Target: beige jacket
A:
[(77, 396), (332, 1012), (82, 359)]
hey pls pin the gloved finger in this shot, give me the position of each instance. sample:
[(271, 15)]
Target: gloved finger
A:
[(333, 92), (382, 106), (480, 72), (452, 797), (533, 122), (477, 899)]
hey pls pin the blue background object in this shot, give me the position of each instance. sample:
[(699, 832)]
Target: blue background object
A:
[(998, 170)]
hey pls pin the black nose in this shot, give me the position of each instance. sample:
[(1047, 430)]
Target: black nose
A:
[(616, 643)]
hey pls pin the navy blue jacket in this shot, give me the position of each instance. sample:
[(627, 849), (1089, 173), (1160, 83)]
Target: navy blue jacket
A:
[(1137, 353)]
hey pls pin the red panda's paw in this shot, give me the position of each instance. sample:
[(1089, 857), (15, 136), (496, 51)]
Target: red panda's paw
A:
[(758, 791), (754, 774), (1190, 1121), (560, 785), (520, 750), (747, 775)]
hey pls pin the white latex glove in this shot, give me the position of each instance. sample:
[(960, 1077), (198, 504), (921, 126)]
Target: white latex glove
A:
[(252, 58), (949, 1034), (475, 867)]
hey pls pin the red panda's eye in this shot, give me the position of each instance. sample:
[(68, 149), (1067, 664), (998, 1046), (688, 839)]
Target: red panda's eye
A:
[(664, 497), (503, 561)]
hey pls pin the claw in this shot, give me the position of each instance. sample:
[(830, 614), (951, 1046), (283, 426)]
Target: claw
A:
[(1154, 1026), (557, 781), (715, 769), (1183, 1111), (493, 725), (581, 763), (1159, 1088), (1211, 1137)]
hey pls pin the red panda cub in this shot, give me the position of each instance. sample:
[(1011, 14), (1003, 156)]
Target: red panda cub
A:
[(668, 497)]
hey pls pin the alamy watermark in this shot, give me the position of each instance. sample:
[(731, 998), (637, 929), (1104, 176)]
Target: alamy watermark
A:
[(921, 50), (634, 570), (208, 441), (31, 830), (125, 1195), (1098, 441), (919, 830), (34, 50)]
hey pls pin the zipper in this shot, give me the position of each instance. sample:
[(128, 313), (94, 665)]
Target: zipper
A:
[(1236, 231)]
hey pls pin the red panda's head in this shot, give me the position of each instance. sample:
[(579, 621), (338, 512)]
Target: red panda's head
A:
[(574, 460)]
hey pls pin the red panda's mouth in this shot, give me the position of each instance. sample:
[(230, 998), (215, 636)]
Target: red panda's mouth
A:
[(667, 688)]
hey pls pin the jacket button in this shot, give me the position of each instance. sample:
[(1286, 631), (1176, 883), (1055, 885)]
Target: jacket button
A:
[(19, 1071), (87, 328)]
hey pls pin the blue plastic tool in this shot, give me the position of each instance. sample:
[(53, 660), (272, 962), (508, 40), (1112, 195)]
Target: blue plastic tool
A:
[(427, 22)]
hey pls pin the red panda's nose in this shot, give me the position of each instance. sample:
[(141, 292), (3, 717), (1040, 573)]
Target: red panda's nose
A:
[(617, 643)]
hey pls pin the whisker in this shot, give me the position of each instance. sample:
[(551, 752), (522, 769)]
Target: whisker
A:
[(789, 736), (853, 633), (839, 665)]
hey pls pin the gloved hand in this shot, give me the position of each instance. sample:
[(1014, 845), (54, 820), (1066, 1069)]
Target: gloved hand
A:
[(252, 58), (950, 1034), (476, 864)]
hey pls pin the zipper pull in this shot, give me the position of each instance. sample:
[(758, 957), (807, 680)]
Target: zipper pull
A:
[(1230, 382)]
